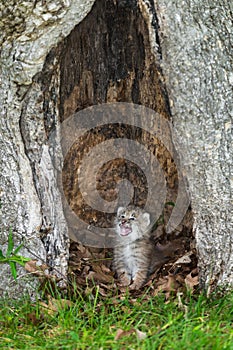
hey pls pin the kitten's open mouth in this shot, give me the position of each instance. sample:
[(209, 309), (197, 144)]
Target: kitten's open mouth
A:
[(125, 230)]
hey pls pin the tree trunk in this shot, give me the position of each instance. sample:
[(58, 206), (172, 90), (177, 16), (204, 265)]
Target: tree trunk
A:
[(196, 39), (30, 200), (121, 52)]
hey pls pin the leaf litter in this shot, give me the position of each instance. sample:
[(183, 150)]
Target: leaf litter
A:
[(175, 272), (175, 268)]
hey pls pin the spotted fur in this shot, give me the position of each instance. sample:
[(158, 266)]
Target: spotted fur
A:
[(132, 256)]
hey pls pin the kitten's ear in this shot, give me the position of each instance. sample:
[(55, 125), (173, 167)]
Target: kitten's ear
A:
[(119, 210), (146, 218)]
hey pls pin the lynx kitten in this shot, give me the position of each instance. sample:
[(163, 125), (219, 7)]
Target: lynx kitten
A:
[(132, 256)]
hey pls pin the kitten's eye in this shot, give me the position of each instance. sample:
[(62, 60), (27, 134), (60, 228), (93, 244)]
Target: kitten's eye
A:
[(132, 218), (122, 216)]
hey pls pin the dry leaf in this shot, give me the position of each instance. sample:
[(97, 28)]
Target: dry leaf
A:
[(99, 275), (191, 281), (185, 259), (180, 278), (86, 270), (47, 308), (35, 267), (120, 334), (103, 292), (105, 269), (56, 304), (33, 318), (140, 335)]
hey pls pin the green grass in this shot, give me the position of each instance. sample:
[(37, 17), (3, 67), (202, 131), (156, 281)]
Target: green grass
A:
[(92, 323)]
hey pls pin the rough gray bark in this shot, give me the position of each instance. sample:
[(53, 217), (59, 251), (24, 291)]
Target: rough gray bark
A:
[(196, 39), (31, 202)]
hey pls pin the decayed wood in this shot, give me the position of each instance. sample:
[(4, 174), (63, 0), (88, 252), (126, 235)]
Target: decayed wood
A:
[(117, 64)]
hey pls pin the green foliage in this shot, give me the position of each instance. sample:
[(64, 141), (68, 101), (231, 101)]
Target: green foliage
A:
[(12, 258), (89, 322)]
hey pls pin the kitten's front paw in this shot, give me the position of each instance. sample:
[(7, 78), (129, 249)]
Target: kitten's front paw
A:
[(138, 282), (124, 281), (135, 286)]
